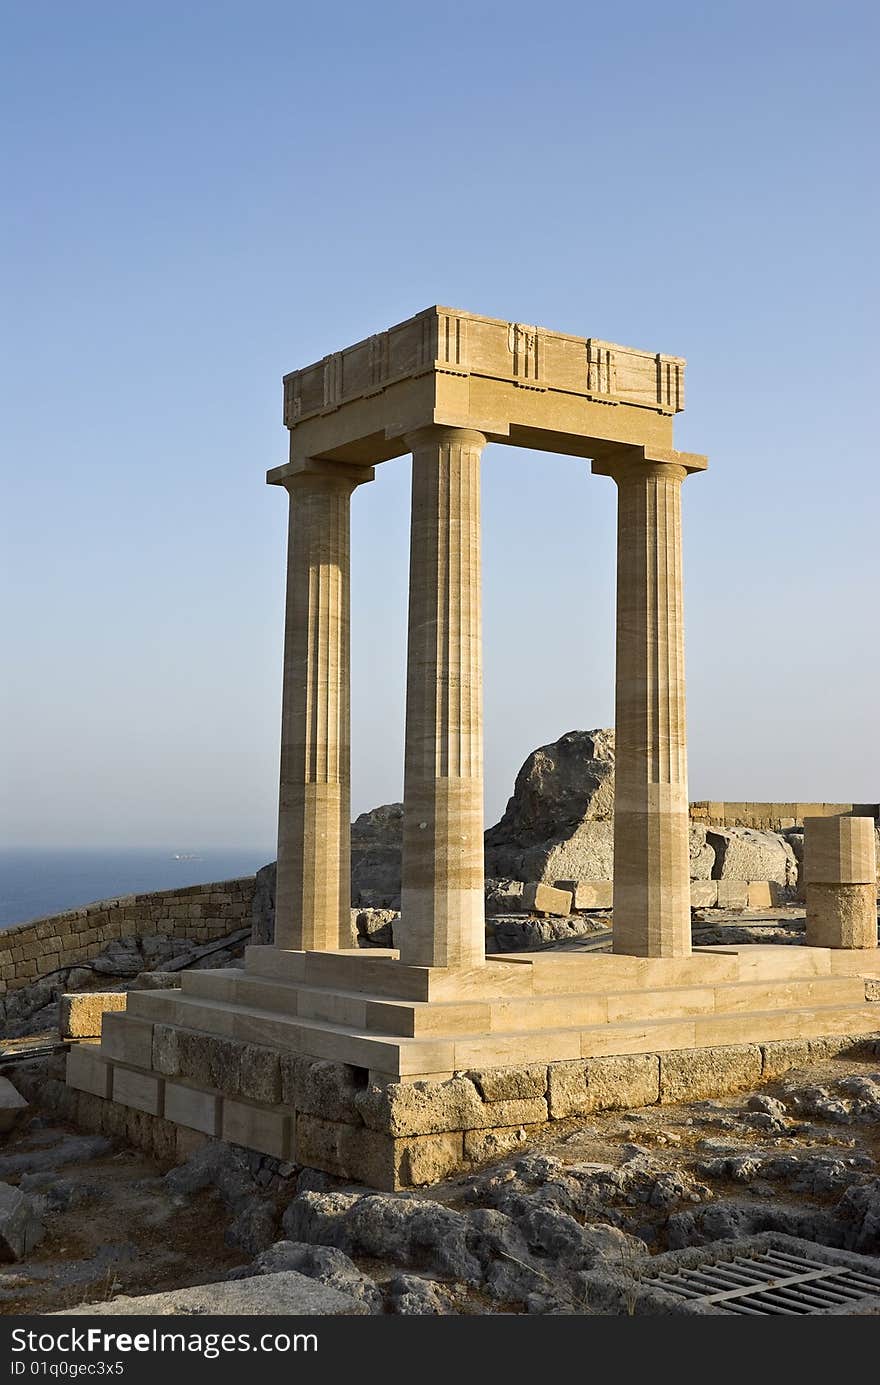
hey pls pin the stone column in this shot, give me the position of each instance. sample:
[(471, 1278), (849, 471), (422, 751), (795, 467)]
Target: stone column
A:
[(652, 916), (313, 888), (442, 906), (840, 865)]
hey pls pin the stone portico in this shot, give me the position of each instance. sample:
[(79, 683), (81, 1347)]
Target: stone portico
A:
[(370, 1025)]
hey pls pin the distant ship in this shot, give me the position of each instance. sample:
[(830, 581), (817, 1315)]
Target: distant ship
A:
[(185, 856)]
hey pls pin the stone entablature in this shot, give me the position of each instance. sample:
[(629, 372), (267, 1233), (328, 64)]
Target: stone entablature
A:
[(454, 342), (510, 381)]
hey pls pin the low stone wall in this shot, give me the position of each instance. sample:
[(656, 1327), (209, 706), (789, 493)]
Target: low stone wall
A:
[(198, 913), (774, 817), (331, 1116)]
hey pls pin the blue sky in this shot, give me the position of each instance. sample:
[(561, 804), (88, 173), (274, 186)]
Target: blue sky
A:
[(201, 197)]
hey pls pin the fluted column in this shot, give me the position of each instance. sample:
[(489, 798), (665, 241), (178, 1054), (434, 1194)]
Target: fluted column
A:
[(313, 888), (443, 922), (651, 822)]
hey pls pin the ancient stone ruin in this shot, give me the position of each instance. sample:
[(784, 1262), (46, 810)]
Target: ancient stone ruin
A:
[(396, 1067)]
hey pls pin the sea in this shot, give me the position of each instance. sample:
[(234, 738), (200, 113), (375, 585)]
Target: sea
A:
[(35, 881)]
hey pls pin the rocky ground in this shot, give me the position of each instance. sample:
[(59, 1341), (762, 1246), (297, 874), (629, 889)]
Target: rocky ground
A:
[(89, 1219)]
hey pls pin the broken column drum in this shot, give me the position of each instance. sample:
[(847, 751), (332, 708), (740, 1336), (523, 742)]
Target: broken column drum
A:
[(841, 874), (441, 386)]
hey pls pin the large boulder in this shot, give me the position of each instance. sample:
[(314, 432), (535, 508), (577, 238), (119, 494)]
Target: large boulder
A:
[(20, 1224), (263, 906), (743, 853), (559, 823), (376, 851), (702, 855)]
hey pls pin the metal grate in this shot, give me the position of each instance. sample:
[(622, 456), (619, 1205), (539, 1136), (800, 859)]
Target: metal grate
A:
[(770, 1282)]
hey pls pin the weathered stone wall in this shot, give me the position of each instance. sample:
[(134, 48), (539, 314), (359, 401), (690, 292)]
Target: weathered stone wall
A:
[(199, 913), (166, 1090), (774, 817)]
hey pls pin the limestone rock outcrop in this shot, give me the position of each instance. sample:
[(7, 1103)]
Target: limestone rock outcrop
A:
[(743, 853), (559, 822), (558, 826), (376, 848)]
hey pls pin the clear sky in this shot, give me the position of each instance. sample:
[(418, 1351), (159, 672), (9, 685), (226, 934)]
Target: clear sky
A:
[(199, 197)]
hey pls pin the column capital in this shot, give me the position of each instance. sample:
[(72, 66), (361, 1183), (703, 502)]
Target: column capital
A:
[(623, 461), (438, 433), (313, 470)]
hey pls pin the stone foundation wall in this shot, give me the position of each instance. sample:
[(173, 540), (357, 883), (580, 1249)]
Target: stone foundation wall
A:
[(199, 913), (334, 1117), (774, 817)]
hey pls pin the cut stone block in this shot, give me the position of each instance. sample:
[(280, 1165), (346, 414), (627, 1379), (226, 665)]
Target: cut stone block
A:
[(318, 1088), (765, 962), (166, 1050), (256, 1128), (412, 1018), (125, 1039), (599, 1084), (481, 1146), (841, 916), (12, 1105), (140, 1090), (274, 1295), (88, 1072), (427, 1159), (261, 1074), (644, 1036), (760, 895), (840, 851), (80, 1014), (545, 899), (696, 1073), (428, 1108), (525, 1013), (704, 894), (192, 1108), (733, 894), (588, 894), (345, 1151), (670, 1003), (510, 1084)]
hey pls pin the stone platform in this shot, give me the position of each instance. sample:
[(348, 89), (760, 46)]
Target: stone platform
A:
[(363, 1066)]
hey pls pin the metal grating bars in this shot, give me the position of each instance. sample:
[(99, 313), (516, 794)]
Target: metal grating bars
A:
[(771, 1282)]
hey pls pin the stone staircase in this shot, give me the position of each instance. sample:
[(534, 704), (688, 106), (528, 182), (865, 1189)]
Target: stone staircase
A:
[(403, 1023)]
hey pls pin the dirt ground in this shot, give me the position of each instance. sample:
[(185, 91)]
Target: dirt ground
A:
[(121, 1231)]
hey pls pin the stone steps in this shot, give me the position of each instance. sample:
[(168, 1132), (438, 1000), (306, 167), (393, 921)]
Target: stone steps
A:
[(767, 961), (410, 1019), (432, 1057), (378, 973), (353, 1029)]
